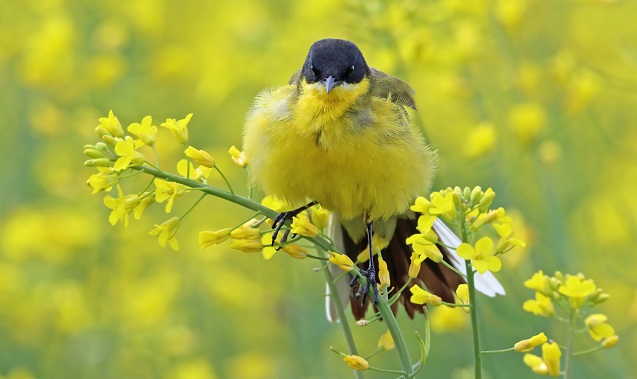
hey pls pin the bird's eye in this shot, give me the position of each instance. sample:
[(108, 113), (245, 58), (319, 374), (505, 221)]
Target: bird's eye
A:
[(313, 70), (350, 71)]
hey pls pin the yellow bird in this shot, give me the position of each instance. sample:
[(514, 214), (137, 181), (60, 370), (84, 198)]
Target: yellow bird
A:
[(339, 135)]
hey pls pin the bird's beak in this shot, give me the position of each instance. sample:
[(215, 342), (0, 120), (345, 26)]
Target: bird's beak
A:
[(330, 82)]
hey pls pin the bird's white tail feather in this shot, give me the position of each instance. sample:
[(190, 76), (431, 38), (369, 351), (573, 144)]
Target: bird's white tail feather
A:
[(485, 283)]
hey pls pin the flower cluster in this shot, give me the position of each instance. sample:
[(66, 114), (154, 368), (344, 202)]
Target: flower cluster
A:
[(469, 209), (567, 298), (118, 156)]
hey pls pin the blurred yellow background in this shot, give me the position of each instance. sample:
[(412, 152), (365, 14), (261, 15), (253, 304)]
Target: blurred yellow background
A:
[(535, 99)]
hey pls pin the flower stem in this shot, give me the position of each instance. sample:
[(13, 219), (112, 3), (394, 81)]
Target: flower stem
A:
[(477, 358), (568, 362), (340, 311), (497, 351), (226, 180), (193, 207), (397, 335)]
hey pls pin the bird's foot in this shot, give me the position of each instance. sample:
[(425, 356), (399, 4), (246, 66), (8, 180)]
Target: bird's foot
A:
[(370, 276), (281, 219)]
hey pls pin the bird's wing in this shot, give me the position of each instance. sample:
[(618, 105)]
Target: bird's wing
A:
[(485, 283), (394, 89), (295, 77), (343, 289)]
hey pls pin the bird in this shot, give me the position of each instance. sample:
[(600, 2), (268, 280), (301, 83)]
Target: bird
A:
[(339, 134)]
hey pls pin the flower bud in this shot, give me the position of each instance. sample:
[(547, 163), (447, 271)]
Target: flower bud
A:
[(457, 196), (610, 341), (486, 200), (466, 193), (476, 195), (111, 141)]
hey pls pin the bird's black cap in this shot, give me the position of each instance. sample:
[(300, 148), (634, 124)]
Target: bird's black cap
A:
[(336, 58)]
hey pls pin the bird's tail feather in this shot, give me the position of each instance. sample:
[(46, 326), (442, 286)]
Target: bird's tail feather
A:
[(438, 278)]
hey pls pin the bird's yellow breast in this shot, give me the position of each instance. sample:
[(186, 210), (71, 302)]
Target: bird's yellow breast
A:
[(351, 152)]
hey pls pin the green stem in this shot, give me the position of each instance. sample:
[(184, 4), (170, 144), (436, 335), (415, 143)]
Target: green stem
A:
[(456, 305), (397, 335), (193, 207), (497, 351), (588, 351), (227, 182), (474, 321), (367, 358), (340, 311), (568, 362), (156, 156), (450, 267)]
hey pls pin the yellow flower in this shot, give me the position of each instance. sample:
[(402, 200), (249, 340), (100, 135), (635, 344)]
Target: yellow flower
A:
[(414, 266), (301, 225), (425, 223), (187, 170), (179, 129), (320, 216), (486, 200), (275, 204), (577, 290), (506, 242), (536, 364), (378, 242), (383, 273), (386, 342), (146, 131), (598, 328), (421, 205), (246, 233), (424, 248), (480, 141), (541, 306), (247, 245), (539, 282), (527, 120), (420, 296), (110, 126), (128, 156), (207, 238), (294, 251), (356, 362), (121, 206), (104, 180), (166, 233), (481, 256), (446, 319), (168, 191), (443, 206), (551, 354), (610, 342), (463, 293), (342, 261), (200, 156), (527, 345), (239, 157), (145, 202)]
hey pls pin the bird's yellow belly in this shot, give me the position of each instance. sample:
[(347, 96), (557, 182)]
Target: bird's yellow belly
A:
[(375, 170)]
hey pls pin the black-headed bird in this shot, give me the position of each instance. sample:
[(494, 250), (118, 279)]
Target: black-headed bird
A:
[(339, 135)]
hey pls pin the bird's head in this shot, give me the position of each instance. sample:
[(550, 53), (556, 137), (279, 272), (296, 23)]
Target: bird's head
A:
[(334, 62)]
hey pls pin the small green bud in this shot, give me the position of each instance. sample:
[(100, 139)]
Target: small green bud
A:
[(101, 146), (101, 132), (466, 193), (487, 199), (554, 283), (600, 299), (560, 276), (93, 153), (102, 162), (110, 140), (457, 197), (476, 195)]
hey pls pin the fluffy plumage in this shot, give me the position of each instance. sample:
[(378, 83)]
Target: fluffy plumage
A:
[(339, 134)]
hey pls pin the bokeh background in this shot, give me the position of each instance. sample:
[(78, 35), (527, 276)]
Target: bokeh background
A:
[(535, 99)]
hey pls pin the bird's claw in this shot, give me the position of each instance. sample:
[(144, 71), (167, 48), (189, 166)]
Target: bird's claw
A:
[(370, 276)]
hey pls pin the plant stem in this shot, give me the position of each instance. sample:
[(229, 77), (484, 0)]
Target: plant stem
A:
[(340, 311), (477, 358), (397, 335), (226, 180), (568, 362)]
